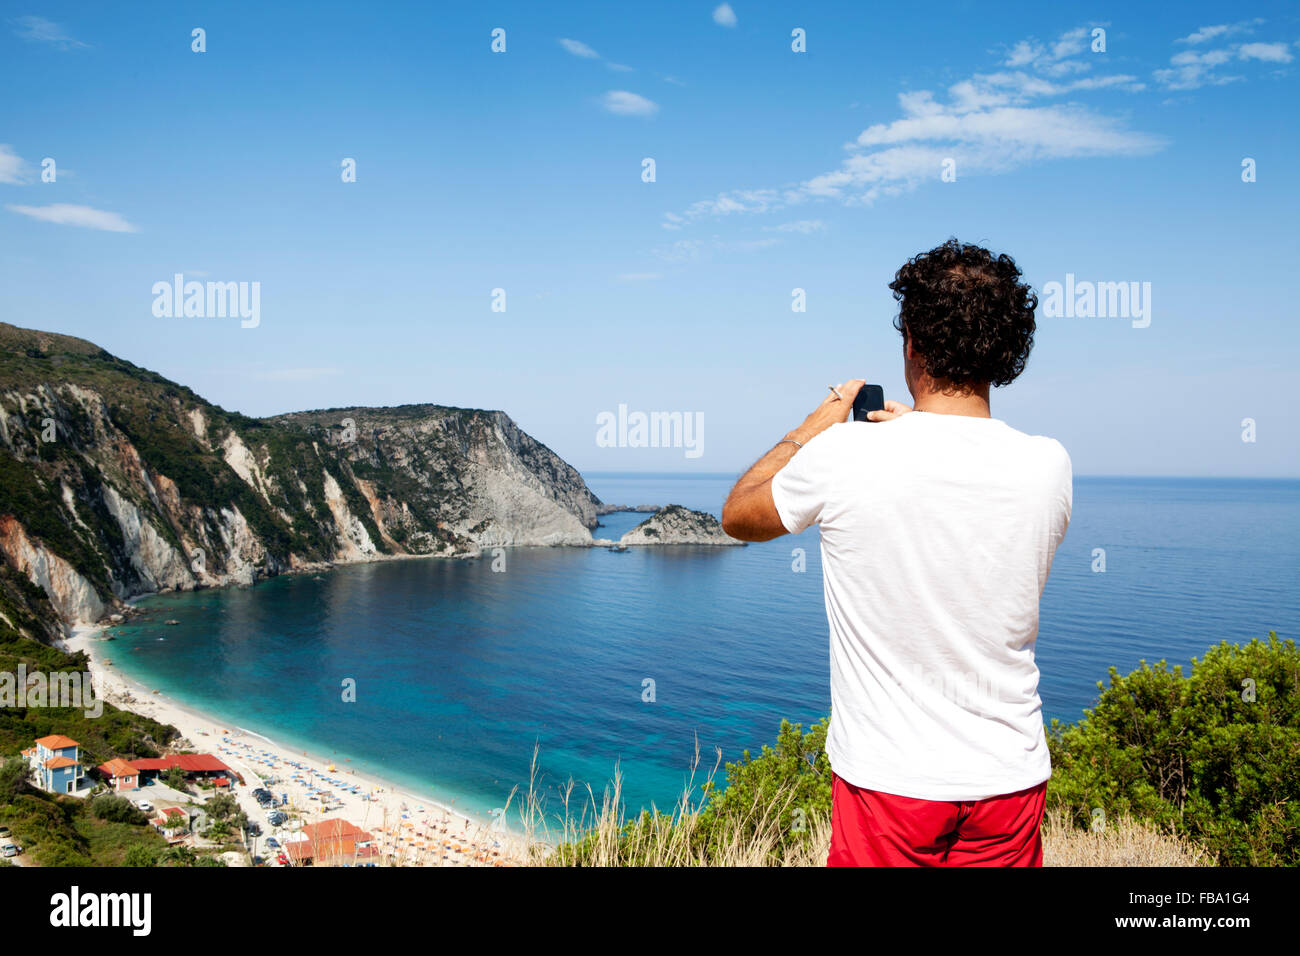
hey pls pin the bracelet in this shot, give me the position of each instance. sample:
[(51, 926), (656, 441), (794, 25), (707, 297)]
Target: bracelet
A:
[(791, 441)]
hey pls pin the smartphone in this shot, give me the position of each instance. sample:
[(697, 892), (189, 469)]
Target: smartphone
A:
[(870, 399)]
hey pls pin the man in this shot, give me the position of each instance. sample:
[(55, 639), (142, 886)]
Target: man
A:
[(938, 528)]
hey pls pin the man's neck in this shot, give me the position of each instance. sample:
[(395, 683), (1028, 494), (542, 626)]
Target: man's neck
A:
[(972, 404)]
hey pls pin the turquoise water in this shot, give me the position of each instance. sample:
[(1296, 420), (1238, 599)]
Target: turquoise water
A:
[(461, 671)]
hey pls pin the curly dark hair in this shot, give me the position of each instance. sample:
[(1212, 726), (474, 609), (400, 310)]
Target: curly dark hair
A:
[(966, 313)]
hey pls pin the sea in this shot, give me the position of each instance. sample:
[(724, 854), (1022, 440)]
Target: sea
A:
[(557, 668)]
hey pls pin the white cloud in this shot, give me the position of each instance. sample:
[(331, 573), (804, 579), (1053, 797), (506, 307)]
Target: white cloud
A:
[(1191, 69), (1210, 58), (682, 250), (623, 103), (986, 124), (1268, 52), (695, 250), (1058, 58), (40, 30), (67, 214), (737, 201), (1205, 34), (12, 168), (578, 48), (724, 16), (804, 226)]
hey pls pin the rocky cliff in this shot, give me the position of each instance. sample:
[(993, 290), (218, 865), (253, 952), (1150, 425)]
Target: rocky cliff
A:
[(675, 524), (116, 482)]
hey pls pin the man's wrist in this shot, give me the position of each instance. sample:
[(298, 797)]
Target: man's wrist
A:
[(801, 435)]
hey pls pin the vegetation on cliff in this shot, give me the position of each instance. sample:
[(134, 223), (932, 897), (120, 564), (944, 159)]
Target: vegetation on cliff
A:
[(115, 481), (58, 830)]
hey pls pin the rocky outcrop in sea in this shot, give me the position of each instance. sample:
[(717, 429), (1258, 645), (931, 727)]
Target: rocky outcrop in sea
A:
[(676, 524)]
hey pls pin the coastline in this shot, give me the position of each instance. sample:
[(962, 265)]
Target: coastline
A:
[(380, 806)]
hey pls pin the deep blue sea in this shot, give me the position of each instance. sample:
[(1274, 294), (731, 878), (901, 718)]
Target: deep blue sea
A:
[(461, 670)]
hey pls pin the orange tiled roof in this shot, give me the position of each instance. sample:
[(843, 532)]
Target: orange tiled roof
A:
[(190, 763), (117, 767), (54, 763), (335, 829), (56, 742), (327, 840)]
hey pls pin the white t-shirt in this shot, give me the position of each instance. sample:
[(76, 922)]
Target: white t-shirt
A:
[(937, 535)]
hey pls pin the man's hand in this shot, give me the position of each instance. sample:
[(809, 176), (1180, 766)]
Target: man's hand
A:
[(831, 411), (891, 410), (750, 514)]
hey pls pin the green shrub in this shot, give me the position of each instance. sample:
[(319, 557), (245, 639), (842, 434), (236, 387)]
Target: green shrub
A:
[(140, 855), (791, 781), (1215, 755), (116, 809), (14, 775)]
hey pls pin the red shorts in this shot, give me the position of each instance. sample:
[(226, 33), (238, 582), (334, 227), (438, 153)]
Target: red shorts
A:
[(870, 828)]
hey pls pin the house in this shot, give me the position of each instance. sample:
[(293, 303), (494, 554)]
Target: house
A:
[(57, 762), (173, 823), (120, 774), (194, 766), (329, 843)]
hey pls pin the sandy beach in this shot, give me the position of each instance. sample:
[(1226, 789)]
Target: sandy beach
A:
[(408, 830)]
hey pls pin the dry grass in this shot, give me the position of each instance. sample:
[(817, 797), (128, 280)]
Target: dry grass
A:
[(674, 839), (1129, 843), (671, 839)]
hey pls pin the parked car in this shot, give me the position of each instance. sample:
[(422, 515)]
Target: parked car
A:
[(254, 828), (4, 832), (9, 849), (282, 860), (144, 805), (277, 819), (273, 843)]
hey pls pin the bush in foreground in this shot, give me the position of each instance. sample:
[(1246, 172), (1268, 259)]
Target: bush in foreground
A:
[(1214, 756)]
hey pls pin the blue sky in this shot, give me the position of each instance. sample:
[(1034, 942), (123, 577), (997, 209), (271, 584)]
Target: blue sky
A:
[(775, 170)]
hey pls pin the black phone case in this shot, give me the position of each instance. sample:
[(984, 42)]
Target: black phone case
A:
[(871, 398)]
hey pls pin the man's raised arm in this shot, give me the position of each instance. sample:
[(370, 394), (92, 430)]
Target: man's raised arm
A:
[(750, 513)]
